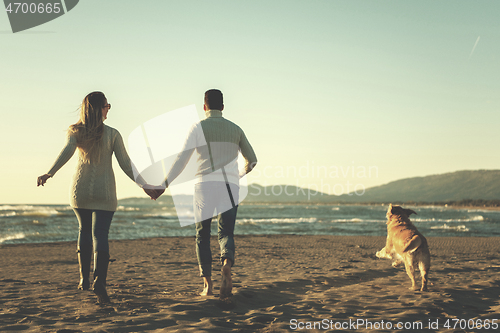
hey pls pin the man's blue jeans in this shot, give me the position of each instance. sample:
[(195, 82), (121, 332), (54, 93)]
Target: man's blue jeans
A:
[(215, 199)]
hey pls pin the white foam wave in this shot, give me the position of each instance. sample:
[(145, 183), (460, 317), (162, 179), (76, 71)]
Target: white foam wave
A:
[(18, 235), (127, 209), (356, 220), (470, 219), (30, 210), (278, 220), (184, 213), (462, 228), (8, 214), (335, 208), (44, 211), (160, 215), (482, 211), (20, 207)]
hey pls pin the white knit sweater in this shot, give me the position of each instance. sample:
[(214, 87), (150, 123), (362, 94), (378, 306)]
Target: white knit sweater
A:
[(93, 185)]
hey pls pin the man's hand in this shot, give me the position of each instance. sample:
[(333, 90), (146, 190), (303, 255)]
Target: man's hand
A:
[(154, 192)]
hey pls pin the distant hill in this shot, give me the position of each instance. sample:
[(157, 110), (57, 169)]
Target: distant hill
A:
[(453, 186)]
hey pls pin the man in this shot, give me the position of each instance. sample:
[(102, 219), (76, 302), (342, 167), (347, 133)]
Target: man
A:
[(217, 142)]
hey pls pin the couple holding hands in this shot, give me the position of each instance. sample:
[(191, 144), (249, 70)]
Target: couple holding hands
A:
[(216, 142)]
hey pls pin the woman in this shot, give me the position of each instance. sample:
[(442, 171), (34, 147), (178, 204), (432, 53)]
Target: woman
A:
[(93, 190)]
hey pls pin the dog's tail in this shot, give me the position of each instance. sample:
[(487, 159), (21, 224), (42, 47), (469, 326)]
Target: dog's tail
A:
[(413, 244)]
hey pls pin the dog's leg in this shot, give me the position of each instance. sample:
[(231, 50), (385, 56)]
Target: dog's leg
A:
[(397, 259), (424, 266), (410, 270), (383, 254), (396, 263)]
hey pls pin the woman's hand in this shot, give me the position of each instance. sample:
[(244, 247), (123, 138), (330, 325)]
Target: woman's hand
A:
[(42, 179)]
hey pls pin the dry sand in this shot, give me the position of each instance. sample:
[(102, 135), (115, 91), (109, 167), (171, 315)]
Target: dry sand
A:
[(154, 283)]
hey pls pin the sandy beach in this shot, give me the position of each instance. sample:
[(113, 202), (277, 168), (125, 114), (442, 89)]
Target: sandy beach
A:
[(281, 284)]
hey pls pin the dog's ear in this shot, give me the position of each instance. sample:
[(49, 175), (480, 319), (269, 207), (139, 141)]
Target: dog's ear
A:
[(409, 212), (390, 208), (389, 213)]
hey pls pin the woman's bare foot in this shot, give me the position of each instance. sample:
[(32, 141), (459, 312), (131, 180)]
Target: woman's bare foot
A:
[(207, 286), (227, 283)]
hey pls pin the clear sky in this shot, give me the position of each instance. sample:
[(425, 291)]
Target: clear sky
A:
[(398, 88)]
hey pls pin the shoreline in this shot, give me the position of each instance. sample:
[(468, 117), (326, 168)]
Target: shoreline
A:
[(444, 205), (153, 285), (489, 208), (464, 236)]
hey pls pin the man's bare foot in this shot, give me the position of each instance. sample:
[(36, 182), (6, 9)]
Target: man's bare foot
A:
[(207, 286), (227, 283)]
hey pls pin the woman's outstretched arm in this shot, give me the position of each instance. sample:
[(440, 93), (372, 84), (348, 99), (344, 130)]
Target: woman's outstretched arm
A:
[(64, 156)]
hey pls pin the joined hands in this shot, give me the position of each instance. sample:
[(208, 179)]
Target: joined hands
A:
[(154, 192)]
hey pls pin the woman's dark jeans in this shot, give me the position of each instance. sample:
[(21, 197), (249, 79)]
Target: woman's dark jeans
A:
[(94, 229)]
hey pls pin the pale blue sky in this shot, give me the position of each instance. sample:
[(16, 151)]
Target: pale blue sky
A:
[(331, 84)]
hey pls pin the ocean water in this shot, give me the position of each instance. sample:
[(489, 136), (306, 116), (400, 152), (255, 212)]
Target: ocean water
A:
[(54, 223)]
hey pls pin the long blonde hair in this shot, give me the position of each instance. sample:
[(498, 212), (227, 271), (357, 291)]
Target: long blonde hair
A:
[(89, 129)]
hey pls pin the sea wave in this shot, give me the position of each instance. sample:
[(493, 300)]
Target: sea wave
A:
[(164, 215), (18, 235), (20, 207), (40, 212), (478, 210), (279, 220), (185, 212), (470, 219), (8, 214), (34, 210), (461, 228), (127, 209), (357, 220)]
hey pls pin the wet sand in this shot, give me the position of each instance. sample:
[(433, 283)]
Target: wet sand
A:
[(281, 284)]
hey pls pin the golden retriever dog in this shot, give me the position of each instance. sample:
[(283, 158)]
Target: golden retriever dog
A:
[(406, 244)]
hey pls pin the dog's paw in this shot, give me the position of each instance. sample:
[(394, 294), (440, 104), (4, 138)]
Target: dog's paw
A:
[(383, 254)]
